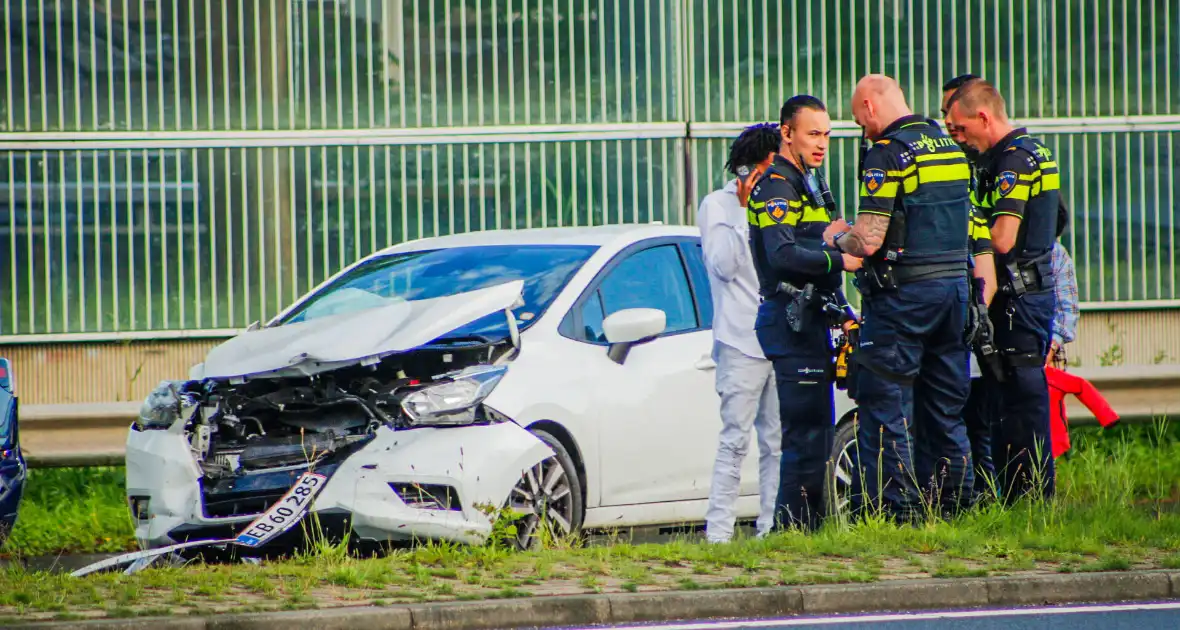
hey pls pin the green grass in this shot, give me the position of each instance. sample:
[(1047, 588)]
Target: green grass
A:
[(72, 510), (1116, 510)]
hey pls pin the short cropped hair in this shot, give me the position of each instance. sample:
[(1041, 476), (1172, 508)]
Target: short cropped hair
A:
[(958, 82), (791, 108), (977, 94), (752, 146)]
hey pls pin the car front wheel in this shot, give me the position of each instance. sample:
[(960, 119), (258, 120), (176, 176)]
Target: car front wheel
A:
[(842, 466), (547, 499)]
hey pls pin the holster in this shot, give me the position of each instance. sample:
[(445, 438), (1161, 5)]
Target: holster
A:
[(797, 304), (1020, 277), (875, 277), (989, 359), (1026, 359)]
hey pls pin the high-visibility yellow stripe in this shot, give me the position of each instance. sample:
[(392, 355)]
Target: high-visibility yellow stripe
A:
[(911, 183), (888, 189), (985, 202), (978, 229), (757, 204), (945, 173), (1019, 192), (949, 155), (1029, 178), (795, 204), (815, 215), (903, 173), (1050, 181), (1045, 165)]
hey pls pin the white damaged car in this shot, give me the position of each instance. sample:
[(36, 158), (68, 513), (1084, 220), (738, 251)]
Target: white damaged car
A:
[(563, 373)]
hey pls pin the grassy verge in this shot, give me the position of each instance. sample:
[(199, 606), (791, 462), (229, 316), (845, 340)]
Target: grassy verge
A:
[(72, 510), (1116, 510)]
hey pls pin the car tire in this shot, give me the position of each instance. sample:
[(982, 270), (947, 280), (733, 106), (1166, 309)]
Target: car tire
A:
[(841, 466), (561, 508)]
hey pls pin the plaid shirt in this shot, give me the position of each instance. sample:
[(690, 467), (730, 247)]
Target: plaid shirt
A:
[(1065, 316)]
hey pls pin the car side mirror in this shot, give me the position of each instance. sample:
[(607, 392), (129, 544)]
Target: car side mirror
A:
[(631, 326)]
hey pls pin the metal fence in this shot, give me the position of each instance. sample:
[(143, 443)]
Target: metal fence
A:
[(196, 164)]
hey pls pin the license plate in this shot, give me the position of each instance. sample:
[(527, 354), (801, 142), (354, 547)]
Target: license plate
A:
[(285, 512)]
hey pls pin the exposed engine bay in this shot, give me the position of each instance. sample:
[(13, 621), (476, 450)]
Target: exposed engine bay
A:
[(239, 427)]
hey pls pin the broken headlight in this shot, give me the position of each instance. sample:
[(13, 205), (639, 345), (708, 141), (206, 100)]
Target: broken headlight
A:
[(163, 406), (452, 402)]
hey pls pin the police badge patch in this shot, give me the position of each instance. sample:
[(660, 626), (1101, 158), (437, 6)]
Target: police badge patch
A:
[(874, 178), (778, 209), (1006, 182)]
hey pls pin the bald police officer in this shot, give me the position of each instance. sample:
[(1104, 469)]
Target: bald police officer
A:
[(912, 230)]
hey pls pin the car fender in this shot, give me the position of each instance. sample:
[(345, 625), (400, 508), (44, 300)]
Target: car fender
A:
[(482, 462), (544, 366), (160, 465)]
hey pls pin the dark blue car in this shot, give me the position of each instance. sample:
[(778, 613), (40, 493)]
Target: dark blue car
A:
[(12, 463)]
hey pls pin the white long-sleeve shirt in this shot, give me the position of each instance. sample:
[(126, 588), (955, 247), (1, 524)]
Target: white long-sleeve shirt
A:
[(732, 280)]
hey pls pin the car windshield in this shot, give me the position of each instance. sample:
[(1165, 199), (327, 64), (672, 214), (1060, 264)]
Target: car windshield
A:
[(423, 275)]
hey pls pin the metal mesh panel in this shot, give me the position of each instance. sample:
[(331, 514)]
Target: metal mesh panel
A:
[(321, 64), (213, 238), (196, 164), (1049, 58)]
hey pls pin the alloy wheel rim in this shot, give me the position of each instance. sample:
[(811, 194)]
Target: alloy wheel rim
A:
[(842, 476), (542, 499)]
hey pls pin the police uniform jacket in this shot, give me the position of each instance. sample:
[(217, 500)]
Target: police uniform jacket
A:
[(916, 175), (1019, 178), (787, 221)]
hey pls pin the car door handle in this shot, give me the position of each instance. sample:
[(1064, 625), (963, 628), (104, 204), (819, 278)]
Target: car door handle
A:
[(705, 363)]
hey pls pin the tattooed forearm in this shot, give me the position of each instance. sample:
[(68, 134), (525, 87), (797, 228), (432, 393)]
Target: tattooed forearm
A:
[(866, 236)]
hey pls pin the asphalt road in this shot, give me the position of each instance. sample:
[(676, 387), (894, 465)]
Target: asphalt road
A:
[(1138, 616)]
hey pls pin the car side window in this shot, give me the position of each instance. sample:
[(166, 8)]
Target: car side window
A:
[(651, 278), (592, 319), (695, 256)]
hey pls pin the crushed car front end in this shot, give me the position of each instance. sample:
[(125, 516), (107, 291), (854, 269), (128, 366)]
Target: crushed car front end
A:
[(409, 447)]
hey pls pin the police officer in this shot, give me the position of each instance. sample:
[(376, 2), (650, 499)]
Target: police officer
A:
[(912, 230), (797, 276), (1018, 189), (979, 410)]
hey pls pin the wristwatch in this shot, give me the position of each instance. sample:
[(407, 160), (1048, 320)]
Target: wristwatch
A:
[(836, 241)]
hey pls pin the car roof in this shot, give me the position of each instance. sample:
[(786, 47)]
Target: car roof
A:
[(595, 235)]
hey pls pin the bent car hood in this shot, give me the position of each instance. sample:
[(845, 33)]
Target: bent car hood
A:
[(328, 343)]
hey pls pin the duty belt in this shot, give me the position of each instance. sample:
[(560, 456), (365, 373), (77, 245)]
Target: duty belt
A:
[(878, 275), (1024, 275), (801, 299)]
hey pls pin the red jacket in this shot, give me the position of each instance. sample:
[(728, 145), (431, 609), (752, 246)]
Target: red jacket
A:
[(1062, 383)]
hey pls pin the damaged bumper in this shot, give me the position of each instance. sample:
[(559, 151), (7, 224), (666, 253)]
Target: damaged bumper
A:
[(424, 483)]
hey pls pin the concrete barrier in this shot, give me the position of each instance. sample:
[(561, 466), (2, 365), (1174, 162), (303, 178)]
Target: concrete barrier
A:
[(95, 434)]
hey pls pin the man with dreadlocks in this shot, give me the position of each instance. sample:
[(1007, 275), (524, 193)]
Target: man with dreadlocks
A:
[(745, 378)]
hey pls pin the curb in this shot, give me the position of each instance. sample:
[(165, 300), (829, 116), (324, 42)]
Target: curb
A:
[(751, 603)]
